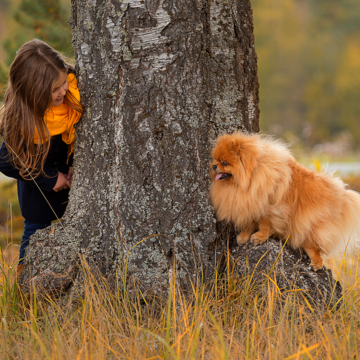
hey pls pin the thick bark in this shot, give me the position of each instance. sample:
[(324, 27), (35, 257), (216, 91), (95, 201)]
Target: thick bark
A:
[(160, 80)]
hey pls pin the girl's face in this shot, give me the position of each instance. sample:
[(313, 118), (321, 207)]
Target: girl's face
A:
[(59, 90)]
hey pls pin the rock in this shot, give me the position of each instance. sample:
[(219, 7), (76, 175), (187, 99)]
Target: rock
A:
[(289, 268)]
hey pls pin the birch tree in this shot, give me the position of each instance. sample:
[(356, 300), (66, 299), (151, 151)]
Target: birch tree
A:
[(160, 80)]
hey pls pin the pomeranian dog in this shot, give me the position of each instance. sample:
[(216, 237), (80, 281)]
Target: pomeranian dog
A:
[(258, 186)]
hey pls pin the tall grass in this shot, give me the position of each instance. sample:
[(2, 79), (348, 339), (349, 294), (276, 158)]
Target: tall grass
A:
[(11, 221), (226, 319)]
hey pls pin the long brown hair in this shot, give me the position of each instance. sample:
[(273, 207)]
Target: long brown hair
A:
[(28, 96)]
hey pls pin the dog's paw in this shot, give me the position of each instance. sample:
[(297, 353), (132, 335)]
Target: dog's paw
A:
[(258, 238), (317, 266), (242, 238)]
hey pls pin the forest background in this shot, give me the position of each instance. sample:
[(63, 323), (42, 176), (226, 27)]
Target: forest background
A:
[(309, 73)]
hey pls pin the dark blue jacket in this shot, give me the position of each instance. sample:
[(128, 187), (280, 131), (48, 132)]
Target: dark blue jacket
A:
[(33, 205)]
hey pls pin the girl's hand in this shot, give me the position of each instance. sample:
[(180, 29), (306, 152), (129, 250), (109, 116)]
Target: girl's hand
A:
[(69, 174), (62, 182)]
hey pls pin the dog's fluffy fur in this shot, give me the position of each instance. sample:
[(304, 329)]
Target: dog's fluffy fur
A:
[(258, 185)]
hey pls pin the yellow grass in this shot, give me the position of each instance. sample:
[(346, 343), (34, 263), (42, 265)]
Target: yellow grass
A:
[(226, 319), (11, 221)]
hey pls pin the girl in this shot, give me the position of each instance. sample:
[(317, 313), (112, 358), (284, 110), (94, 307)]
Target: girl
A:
[(41, 106)]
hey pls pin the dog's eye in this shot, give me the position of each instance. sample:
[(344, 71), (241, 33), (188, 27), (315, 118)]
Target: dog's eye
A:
[(223, 163)]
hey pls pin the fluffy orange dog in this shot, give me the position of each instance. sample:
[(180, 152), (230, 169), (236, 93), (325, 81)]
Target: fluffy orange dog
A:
[(258, 185)]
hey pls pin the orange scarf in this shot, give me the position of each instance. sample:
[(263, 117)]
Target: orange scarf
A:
[(61, 119)]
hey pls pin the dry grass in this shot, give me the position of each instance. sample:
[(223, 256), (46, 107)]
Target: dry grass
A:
[(227, 319), (11, 221)]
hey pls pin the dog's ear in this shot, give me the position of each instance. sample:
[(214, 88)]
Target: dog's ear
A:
[(246, 149)]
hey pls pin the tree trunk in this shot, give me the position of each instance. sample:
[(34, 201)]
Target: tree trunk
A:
[(160, 80)]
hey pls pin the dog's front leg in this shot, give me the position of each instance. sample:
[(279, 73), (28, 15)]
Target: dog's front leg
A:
[(313, 252), (245, 233), (265, 231)]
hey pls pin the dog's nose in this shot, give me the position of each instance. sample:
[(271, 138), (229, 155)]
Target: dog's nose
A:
[(214, 167)]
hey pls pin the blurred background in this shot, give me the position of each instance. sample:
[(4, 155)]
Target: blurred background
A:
[(309, 73)]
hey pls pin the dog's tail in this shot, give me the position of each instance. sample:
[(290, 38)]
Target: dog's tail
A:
[(344, 259)]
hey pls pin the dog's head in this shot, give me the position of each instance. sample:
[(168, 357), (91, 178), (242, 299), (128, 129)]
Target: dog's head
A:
[(234, 159)]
